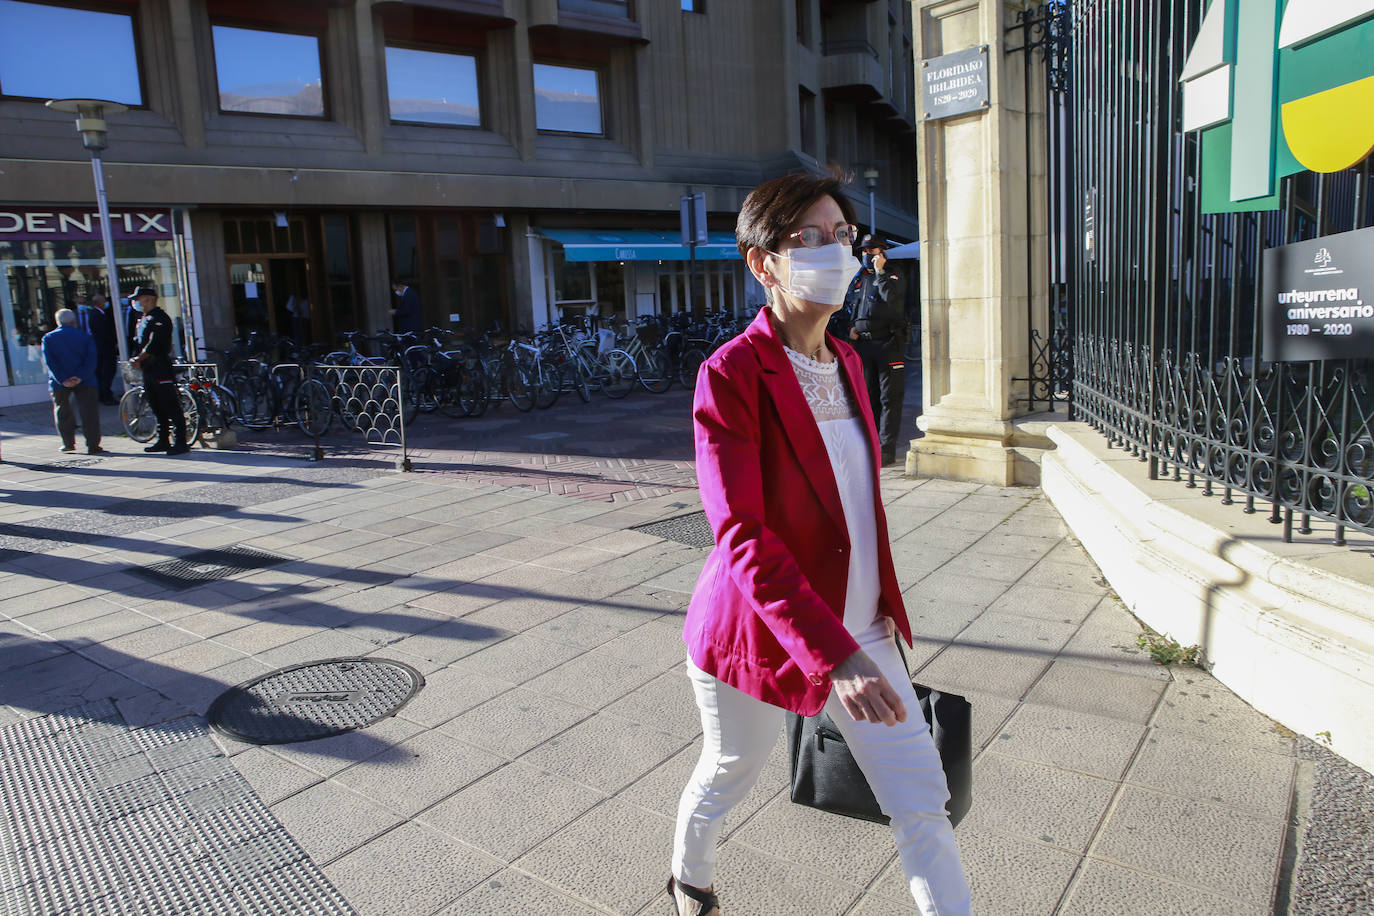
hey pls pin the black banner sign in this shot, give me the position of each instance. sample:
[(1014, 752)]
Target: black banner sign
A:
[(955, 83), (1317, 298)]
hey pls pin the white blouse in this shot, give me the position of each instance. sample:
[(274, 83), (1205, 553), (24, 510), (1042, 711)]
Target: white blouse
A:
[(846, 442)]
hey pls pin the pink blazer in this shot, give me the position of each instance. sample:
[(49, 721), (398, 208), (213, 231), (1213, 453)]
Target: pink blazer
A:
[(766, 614)]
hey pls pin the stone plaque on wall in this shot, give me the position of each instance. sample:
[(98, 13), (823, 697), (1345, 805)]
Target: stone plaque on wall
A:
[(954, 84), (1317, 298)]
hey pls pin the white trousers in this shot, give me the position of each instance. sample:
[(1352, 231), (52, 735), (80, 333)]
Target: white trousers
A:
[(900, 762)]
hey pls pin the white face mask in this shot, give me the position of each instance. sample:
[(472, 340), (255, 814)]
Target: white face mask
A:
[(819, 274)]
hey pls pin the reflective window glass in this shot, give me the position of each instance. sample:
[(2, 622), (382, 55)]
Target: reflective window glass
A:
[(48, 52), (268, 72), (567, 99), (433, 87)]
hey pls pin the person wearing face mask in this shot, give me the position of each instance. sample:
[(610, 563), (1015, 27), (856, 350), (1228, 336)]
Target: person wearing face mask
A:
[(408, 314), (876, 303), (798, 603)]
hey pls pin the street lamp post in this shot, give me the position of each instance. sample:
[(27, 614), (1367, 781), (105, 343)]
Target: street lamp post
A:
[(871, 179), (90, 122)]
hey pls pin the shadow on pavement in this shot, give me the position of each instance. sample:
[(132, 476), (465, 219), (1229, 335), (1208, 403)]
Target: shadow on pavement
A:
[(42, 676)]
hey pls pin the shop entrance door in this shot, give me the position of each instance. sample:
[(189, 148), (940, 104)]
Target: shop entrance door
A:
[(290, 282), (267, 294)]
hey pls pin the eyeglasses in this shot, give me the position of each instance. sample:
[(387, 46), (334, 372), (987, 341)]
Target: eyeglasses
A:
[(815, 236)]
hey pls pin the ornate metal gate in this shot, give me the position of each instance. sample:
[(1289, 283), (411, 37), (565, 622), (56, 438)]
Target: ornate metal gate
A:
[(1040, 38), (1163, 298)]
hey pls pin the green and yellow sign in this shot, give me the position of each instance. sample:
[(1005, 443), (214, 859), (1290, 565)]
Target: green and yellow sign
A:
[(1276, 88)]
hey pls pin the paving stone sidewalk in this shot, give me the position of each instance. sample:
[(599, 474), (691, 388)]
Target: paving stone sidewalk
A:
[(538, 769)]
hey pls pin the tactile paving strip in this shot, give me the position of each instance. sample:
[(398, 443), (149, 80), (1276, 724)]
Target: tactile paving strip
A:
[(101, 818), (314, 700), (207, 565), (691, 529)]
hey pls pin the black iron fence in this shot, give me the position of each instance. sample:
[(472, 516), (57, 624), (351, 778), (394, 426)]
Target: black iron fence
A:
[(1039, 44), (1166, 325)]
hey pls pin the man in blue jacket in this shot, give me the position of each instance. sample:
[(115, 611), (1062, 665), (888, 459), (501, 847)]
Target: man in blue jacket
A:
[(69, 353)]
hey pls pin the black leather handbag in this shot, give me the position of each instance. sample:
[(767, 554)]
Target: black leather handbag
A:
[(825, 775)]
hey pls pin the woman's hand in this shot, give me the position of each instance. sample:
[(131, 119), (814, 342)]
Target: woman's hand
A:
[(865, 693)]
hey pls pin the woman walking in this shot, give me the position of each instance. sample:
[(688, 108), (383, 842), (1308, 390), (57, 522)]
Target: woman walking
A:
[(798, 604)]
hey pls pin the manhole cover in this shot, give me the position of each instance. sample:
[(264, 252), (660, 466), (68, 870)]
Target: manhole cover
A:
[(61, 464), (691, 529), (206, 566), (314, 700)]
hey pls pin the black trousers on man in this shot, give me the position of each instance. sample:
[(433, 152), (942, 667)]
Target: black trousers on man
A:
[(885, 376), (105, 363), (165, 401)]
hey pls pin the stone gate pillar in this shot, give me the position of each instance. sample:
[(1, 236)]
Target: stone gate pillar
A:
[(973, 171)]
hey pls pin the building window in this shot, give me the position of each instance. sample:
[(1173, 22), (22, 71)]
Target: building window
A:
[(611, 9), (806, 106), (693, 6), (803, 32), (262, 72), (567, 99), (51, 52), (572, 280), (432, 87)]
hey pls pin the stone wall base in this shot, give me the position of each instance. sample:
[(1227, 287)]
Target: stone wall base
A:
[(959, 458), (1012, 459), (1288, 627)]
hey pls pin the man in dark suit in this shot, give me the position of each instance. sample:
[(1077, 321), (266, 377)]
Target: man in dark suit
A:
[(97, 319), (876, 304), (408, 314)]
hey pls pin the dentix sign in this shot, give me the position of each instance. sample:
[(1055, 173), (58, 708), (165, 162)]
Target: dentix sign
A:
[(1277, 88)]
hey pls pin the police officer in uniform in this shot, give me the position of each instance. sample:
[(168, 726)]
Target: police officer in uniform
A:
[(876, 306), (154, 357)]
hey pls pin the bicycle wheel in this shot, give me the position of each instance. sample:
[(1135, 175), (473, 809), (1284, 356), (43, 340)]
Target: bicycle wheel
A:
[(213, 419), (136, 414), (576, 381), (620, 375), (547, 386), (692, 358), (654, 372), (314, 408), (447, 392), (520, 387), (254, 401), (474, 390), (191, 410), (228, 405), (424, 382)]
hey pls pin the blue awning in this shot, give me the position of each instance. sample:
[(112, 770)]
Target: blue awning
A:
[(638, 245)]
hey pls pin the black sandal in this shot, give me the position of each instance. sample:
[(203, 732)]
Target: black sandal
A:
[(706, 901)]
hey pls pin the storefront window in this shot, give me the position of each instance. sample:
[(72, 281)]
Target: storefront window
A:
[(572, 280), (339, 274), (432, 87), (405, 249), (713, 287), (567, 99), (265, 72), (52, 52), (49, 257), (610, 288)]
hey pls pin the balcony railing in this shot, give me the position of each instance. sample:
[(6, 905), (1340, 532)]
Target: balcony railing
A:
[(609, 9)]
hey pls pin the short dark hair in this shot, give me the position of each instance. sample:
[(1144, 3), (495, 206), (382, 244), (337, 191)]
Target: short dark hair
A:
[(774, 207)]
